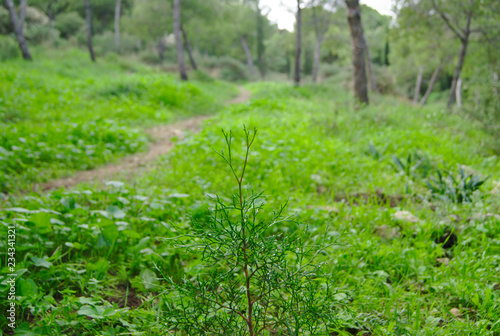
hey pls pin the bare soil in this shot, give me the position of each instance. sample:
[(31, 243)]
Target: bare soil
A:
[(163, 144)]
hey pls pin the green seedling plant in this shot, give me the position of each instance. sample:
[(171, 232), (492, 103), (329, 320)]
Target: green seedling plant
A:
[(374, 152), (415, 165), (253, 279), (455, 189)]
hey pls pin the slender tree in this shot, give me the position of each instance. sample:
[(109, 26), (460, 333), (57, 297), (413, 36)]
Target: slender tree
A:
[(88, 19), (18, 30), (187, 45), (117, 22), (463, 34), (434, 77), (178, 39), (298, 46), (416, 95), (358, 46), (248, 54), (321, 23)]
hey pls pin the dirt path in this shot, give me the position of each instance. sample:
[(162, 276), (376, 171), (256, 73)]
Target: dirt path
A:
[(162, 145)]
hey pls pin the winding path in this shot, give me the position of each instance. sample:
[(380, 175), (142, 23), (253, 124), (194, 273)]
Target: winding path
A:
[(162, 134)]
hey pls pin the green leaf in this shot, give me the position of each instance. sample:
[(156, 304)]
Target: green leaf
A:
[(149, 279), (42, 222), (116, 212), (26, 287), (41, 262)]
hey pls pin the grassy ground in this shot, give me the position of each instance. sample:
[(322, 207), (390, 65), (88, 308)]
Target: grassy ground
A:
[(88, 259), (62, 113)]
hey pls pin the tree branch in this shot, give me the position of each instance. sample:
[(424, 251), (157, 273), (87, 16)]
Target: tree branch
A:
[(459, 33)]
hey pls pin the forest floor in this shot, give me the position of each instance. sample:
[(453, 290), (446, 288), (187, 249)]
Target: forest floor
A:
[(398, 188), (164, 137)]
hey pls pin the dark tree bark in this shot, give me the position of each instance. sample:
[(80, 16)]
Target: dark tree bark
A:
[(463, 35), (117, 22), (188, 48), (416, 95), (22, 15), (18, 31), (358, 46), (178, 39), (249, 55), (88, 18), (298, 46), (434, 77)]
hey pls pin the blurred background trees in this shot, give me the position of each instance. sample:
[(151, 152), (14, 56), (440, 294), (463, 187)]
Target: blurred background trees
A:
[(451, 46)]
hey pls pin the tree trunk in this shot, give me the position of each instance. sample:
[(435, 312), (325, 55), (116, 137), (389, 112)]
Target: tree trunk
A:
[(461, 59), (188, 48), (435, 74), (249, 55), (161, 49), (358, 59), (260, 43), (373, 79), (18, 31), (178, 39), (298, 47), (22, 15), (417, 86), (317, 56), (458, 92), (117, 23), (458, 70), (89, 30)]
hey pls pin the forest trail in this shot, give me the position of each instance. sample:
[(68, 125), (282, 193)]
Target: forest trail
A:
[(162, 144)]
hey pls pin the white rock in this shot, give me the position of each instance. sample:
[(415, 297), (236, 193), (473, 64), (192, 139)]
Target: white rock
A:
[(406, 216)]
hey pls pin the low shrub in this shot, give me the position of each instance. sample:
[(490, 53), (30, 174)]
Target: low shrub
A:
[(69, 24), (233, 70), (8, 48)]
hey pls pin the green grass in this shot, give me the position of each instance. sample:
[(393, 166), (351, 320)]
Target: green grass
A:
[(82, 253), (63, 114)]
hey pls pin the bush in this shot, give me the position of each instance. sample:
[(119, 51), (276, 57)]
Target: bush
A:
[(150, 56), (105, 44), (36, 16), (69, 24), (329, 70), (8, 48), (5, 23), (38, 34), (202, 76), (386, 81), (233, 70)]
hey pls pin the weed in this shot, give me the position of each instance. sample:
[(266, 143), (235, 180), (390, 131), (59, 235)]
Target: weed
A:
[(455, 189)]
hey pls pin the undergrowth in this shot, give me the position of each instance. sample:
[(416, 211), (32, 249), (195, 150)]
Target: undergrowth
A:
[(404, 262)]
